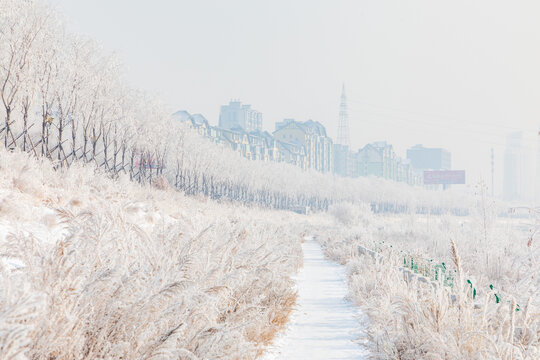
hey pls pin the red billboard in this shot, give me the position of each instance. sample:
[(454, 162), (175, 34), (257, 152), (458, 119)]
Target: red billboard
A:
[(445, 177)]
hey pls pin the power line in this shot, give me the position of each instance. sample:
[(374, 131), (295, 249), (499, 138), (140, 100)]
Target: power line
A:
[(437, 116), (407, 121)]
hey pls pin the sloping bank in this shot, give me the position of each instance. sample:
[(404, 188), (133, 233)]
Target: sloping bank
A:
[(92, 268)]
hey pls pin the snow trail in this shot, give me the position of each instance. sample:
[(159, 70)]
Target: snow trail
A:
[(323, 325)]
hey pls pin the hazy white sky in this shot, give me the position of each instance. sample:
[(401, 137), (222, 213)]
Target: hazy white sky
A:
[(456, 74)]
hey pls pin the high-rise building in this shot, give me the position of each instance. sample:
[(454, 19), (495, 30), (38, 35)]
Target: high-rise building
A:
[(537, 181), (492, 173), (423, 158), (238, 116), (512, 167)]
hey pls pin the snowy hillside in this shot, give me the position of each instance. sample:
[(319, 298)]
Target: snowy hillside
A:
[(96, 268)]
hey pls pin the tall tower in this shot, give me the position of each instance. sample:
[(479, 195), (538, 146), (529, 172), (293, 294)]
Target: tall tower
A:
[(343, 124)]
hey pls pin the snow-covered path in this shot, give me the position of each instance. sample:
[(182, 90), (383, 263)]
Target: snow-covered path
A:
[(323, 325)]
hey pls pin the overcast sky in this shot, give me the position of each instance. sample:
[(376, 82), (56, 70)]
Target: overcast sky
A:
[(456, 74)]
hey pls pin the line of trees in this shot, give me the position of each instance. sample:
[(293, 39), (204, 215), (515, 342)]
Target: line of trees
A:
[(63, 99)]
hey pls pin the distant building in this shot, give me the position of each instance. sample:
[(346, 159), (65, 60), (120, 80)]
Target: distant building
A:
[(379, 159), (311, 135), (370, 161), (344, 161), (429, 158), (424, 159), (537, 181), (196, 121), (182, 115), (512, 167), (238, 116), (303, 144), (376, 159), (255, 145), (405, 172), (263, 146), (294, 154)]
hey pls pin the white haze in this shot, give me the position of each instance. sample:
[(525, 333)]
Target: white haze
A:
[(459, 75)]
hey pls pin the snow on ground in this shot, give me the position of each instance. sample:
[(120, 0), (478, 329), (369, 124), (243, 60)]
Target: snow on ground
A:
[(323, 325)]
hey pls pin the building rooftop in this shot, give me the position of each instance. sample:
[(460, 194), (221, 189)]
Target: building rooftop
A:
[(308, 126), (181, 115)]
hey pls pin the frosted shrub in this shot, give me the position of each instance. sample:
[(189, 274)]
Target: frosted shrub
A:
[(351, 214), (345, 213)]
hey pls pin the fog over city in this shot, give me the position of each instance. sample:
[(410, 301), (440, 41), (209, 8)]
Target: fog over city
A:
[(460, 75)]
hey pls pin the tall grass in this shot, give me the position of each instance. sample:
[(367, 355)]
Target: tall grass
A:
[(409, 319), (100, 269)]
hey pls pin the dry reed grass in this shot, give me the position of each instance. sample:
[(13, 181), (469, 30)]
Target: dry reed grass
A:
[(414, 320), (123, 271)]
